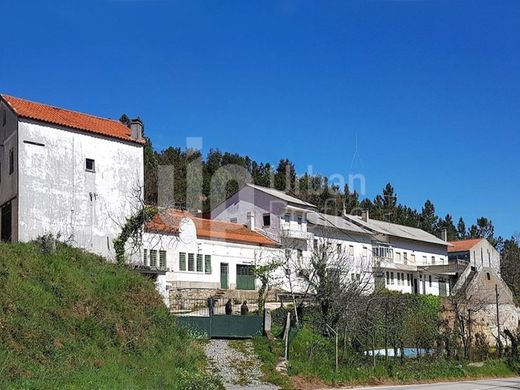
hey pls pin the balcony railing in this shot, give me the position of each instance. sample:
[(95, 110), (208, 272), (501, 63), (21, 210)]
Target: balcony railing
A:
[(295, 233)]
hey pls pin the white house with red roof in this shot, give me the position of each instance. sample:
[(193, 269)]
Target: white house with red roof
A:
[(202, 256), (71, 174)]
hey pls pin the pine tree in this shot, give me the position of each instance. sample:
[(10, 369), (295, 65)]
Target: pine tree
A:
[(462, 233), (428, 218)]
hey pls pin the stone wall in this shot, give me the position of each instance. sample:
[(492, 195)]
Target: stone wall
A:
[(192, 298)]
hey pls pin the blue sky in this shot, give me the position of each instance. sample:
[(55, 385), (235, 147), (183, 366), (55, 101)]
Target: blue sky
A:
[(429, 89)]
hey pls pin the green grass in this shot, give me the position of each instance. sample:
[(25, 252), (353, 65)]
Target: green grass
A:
[(312, 357), (72, 320), (269, 353)]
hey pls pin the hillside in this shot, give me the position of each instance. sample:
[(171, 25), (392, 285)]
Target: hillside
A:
[(71, 320)]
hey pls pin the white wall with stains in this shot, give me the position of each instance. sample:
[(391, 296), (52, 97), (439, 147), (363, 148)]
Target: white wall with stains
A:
[(59, 195)]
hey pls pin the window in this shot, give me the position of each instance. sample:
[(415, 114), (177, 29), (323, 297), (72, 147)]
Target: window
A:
[(300, 254), (433, 260), (207, 264), (351, 250), (153, 258), (365, 252), (391, 278), (145, 257), (287, 218), (358, 277), (233, 220), (191, 262), (162, 259), (182, 261), (398, 278), (398, 256), (405, 257), (90, 165), (488, 276), (383, 252), (387, 277), (424, 260), (267, 219), (299, 219), (11, 161), (315, 243), (199, 263), (338, 248), (413, 258), (408, 279), (430, 280)]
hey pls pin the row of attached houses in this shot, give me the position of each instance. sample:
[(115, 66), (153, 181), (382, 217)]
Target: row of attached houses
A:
[(396, 257), (79, 177)]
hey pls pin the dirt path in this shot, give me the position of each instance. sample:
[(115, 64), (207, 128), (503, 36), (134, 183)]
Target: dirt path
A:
[(235, 362)]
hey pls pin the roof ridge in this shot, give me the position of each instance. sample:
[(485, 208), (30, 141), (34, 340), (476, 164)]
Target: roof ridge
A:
[(57, 108)]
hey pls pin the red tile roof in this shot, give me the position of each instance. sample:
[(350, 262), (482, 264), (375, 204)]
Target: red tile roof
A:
[(76, 120), (463, 245), (168, 222)]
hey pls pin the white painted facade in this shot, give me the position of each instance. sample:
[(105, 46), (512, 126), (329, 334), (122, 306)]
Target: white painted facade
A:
[(409, 265), (52, 191), (480, 255), (196, 263)]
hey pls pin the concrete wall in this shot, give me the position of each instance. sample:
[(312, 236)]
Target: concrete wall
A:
[(58, 195), (485, 255)]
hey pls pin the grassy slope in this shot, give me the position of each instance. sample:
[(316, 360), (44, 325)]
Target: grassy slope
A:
[(72, 320)]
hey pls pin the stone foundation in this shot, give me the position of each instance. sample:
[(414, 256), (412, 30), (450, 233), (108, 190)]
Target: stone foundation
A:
[(187, 299)]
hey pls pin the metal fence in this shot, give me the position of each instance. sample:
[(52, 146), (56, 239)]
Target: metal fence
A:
[(199, 307)]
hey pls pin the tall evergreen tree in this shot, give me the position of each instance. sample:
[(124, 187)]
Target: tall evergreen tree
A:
[(428, 218), (462, 233)]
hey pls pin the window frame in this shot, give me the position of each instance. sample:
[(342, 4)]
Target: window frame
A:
[(199, 266), (191, 262), (207, 264), (153, 257), (182, 261), (87, 169), (11, 161), (162, 258), (268, 216)]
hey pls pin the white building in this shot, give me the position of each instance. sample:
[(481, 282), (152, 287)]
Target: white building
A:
[(477, 252), (407, 258), (397, 257), (203, 256), (66, 173)]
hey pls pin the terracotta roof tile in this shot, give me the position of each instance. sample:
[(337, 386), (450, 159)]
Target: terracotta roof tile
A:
[(463, 245), (76, 120), (168, 222)]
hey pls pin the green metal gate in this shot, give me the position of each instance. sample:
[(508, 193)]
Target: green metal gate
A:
[(223, 326), (245, 277)]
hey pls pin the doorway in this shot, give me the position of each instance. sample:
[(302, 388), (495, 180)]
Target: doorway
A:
[(224, 276)]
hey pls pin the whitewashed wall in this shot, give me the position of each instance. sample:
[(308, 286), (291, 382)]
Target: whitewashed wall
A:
[(220, 251), (57, 194)]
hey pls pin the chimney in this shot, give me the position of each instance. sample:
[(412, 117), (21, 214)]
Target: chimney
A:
[(136, 128), (364, 215), (444, 234), (251, 220)]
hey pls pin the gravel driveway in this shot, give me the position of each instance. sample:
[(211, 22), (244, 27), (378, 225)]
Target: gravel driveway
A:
[(236, 363)]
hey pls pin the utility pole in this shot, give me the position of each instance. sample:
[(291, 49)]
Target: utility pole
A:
[(497, 295), (469, 334)]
